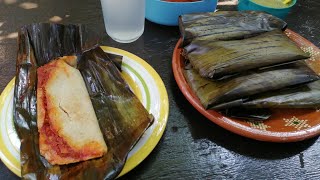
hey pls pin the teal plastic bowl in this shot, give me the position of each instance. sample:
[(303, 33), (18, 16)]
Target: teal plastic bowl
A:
[(167, 13), (278, 12)]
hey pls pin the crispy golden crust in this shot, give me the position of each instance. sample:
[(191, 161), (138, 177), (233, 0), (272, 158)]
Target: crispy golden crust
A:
[(67, 124)]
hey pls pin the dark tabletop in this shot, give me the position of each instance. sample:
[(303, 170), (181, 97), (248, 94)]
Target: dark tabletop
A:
[(192, 147)]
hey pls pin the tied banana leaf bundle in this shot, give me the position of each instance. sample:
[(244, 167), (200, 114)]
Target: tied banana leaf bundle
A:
[(211, 93), (215, 59), (304, 96), (227, 25), (121, 116)]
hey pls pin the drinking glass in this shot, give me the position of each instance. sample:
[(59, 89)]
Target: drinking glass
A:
[(124, 19)]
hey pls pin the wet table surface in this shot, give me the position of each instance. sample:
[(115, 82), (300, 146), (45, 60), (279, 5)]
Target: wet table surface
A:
[(192, 147)]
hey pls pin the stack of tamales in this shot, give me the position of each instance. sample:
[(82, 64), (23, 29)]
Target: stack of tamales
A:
[(242, 61)]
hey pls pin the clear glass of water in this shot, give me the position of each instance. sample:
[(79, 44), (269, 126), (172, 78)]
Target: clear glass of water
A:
[(124, 19)]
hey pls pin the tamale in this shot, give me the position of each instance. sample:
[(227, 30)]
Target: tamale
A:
[(247, 113), (66, 134), (213, 92), (227, 25), (304, 96), (121, 117), (216, 59)]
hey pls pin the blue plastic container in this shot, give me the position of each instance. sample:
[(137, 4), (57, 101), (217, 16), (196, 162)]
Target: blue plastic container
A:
[(278, 12), (167, 13)]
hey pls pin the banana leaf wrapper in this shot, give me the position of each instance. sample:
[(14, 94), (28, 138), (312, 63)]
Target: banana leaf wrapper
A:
[(122, 118), (116, 59), (227, 25), (211, 93), (215, 59), (247, 113), (304, 96)]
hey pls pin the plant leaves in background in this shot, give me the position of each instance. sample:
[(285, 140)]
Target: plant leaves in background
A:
[(122, 118)]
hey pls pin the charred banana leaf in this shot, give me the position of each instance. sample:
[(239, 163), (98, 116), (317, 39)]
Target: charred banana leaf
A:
[(227, 25), (214, 92), (214, 59), (121, 116)]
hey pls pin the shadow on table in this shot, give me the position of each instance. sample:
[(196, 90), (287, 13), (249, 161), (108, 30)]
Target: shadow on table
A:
[(14, 14), (201, 128), (147, 163)]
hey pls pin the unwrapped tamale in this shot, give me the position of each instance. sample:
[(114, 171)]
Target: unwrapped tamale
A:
[(66, 134), (121, 116)]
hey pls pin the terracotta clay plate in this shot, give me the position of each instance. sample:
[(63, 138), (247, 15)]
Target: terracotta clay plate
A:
[(285, 125)]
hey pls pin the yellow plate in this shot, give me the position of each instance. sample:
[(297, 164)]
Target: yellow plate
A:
[(144, 82)]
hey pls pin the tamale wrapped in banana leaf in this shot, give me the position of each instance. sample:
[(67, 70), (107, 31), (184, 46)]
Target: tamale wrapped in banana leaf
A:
[(227, 25), (304, 96), (216, 59), (213, 92), (247, 113), (121, 117)]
